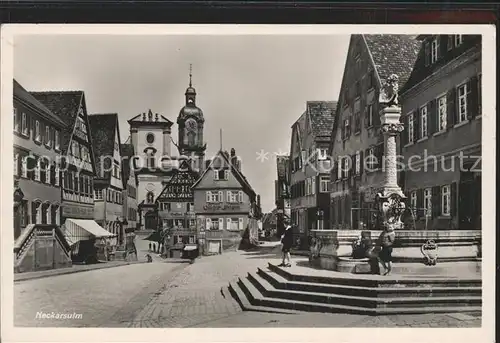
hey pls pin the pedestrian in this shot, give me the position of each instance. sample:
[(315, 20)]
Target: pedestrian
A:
[(149, 246), (386, 240), (286, 244)]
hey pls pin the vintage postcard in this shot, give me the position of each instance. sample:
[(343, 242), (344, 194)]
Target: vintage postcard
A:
[(247, 177)]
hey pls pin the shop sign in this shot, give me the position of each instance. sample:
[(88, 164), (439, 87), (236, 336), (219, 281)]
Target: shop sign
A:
[(221, 207)]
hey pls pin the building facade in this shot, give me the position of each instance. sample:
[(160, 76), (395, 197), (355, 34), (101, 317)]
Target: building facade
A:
[(130, 184), (37, 145), (109, 180), (282, 193), (150, 137), (77, 161), (310, 170), (176, 210), (224, 203), (441, 111), (357, 145)]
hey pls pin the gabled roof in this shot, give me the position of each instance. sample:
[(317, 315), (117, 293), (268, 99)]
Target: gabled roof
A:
[(237, 174), (65, 105), (393, 54), (321, 117), (161, 119), (103, 128), (25, 97), (184, 166)]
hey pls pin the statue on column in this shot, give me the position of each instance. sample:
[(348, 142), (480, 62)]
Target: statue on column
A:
[(389, 92)]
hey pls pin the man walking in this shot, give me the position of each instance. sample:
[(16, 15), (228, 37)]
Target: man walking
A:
[(286, 244)]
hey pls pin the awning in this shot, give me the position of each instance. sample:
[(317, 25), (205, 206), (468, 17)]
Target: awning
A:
[(80, 230), (190, 247)]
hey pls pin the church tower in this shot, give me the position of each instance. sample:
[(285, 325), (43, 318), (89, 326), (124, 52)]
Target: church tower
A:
[(190, 124)]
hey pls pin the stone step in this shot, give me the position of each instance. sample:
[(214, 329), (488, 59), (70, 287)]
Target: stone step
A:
[(376, 280), (267, 289), (238, 294), (279, 282), (256, 298)]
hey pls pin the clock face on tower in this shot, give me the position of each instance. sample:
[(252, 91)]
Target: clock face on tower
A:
[(191, 125)]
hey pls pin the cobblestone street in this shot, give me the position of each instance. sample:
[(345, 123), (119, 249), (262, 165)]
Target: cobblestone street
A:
[(166, 294)]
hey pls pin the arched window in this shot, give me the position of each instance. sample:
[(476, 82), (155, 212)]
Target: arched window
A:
[(36, 212), (191, 136), (150, 197)]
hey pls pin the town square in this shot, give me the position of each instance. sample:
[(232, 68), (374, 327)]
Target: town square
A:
[(248, 181)]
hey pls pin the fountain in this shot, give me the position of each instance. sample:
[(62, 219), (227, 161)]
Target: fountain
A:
[(417, 252)]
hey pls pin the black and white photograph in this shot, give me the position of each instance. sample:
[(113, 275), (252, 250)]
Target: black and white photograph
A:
[(220, 178)]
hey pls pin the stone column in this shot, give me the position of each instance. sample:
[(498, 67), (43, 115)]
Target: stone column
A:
[(390, 197)]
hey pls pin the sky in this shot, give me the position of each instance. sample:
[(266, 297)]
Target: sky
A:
[(253, 87)]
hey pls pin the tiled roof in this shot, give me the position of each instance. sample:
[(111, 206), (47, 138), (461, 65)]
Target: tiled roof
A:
[(393, 54), (27, 98), (65, 105), (102, 130), (322, 116)]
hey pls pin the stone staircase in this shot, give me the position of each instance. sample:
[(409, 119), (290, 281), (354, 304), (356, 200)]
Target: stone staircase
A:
[(279, 290)]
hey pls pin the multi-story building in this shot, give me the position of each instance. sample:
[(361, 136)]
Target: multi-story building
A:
[(224, 203), (109, 180), (441, 111), (78, 168), (356, 143), (130, 184), (310, 169), (150, 137), (282, 192), (37, 144), (176, 209)]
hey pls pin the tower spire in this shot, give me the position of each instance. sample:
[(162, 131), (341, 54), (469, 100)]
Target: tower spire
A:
[(190, 74), (221, 139)]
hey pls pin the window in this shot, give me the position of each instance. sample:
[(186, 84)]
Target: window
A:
[(340, 165), (16, 122), (57, 175), (233, 224), (214, 196), (423, 122), (47, 173), (434, 50), (37, 131), (57, 144), (191, 240), (445, 200), (458, 40), (232, 196), (428, 201), (442, 113), (47, 139), (308, 186), (413, 201), (37, 170), (357, 89), (369, 115), (190, 207), (324, 184), (24, 167), (98, 194), (322, 154), (411, 129), (16, 164), (358, 163), (462, 103), (313, 185), (179, 222), (357, 122), (24, 124), (371, 79), (221, 174), (214, 224), (347, 128)]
